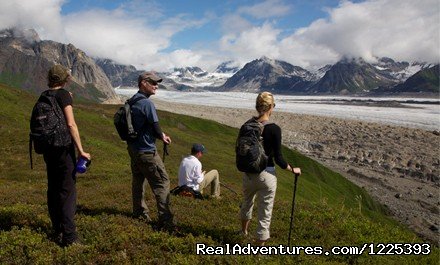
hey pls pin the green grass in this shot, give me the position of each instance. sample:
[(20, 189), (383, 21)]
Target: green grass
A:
[(329, 211), (15, 80)]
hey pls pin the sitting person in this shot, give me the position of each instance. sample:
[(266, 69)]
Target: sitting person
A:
[(191, 175)]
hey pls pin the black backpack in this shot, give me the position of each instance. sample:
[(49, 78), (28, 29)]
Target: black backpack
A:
[(48, 125), (186, 191), (123, 122), (249, 150)]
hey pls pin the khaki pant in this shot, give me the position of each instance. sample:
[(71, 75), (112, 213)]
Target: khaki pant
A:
[(263, 187), (211, 178), (151, 168)]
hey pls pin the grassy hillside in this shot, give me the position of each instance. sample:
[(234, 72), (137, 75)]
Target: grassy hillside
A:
[(330, 211)]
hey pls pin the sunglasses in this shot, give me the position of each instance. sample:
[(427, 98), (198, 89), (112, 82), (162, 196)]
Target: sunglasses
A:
[(151, 82)]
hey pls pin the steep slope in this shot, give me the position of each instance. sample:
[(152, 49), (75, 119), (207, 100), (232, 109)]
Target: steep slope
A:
[(329, 210), (25, 59)]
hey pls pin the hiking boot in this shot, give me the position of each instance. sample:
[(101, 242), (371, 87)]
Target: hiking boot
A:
[(75, 242), (56, 237), (169, 228), (70, 239), (144, 217), (242, 234)]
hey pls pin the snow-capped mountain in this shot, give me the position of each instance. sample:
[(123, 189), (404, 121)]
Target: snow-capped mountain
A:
[(424, 82), (319, 73), (348, 76), (352, 76), (198, 78), (399, 70), (268, 74), (228, 67)]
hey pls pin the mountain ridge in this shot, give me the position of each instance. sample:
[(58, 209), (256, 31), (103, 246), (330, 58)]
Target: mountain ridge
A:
[(26, 59), (349, 76)]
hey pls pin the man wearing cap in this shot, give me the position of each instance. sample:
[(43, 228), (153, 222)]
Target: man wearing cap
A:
[(191, 175), (146, 163)]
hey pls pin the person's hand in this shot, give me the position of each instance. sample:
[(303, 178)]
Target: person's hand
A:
[(86, 155), (296, 171), (166, 139)]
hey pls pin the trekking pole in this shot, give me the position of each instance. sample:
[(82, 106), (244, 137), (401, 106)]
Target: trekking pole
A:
[(293, 207), (228, 188), (165, 151)]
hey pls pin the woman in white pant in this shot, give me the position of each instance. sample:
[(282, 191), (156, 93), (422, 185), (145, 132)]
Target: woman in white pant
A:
[(263, 185)]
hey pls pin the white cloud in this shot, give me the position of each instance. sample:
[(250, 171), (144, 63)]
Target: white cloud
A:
[(128, 34), (403, 30), (252, 43), (266, 9), (140, 33), (113, 35), (182, 58), (41, 15), (234, 24)]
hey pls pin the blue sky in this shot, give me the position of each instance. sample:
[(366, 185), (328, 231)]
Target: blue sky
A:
[(159, 35)]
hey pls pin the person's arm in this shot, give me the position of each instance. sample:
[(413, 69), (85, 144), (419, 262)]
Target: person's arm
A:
[(198, 174), (153, 119), (157, 131), (73, 128), (278, 155)]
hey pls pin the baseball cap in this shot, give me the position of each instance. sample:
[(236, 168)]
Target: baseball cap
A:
[(58, 73), (198, 148), (149, 76)]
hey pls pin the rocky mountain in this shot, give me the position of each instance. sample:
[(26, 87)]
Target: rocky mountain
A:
[(267, 74), (426, 80), (227, 67), (118, 74), (321, 71), (184, 78), (352, 76), (25, 60), (126, 76), (399, 70), (346, 77)]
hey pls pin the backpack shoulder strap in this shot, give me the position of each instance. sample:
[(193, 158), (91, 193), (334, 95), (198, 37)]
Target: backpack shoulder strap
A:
[(30, 151), (50, 96), (132, 101)]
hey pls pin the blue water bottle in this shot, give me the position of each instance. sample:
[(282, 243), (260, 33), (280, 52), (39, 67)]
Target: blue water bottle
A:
[(82, 164)]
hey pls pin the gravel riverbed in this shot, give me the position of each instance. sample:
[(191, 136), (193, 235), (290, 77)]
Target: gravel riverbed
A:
[(398, 166)]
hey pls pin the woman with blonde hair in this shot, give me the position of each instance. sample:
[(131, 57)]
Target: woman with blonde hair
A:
[(263, 185)]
